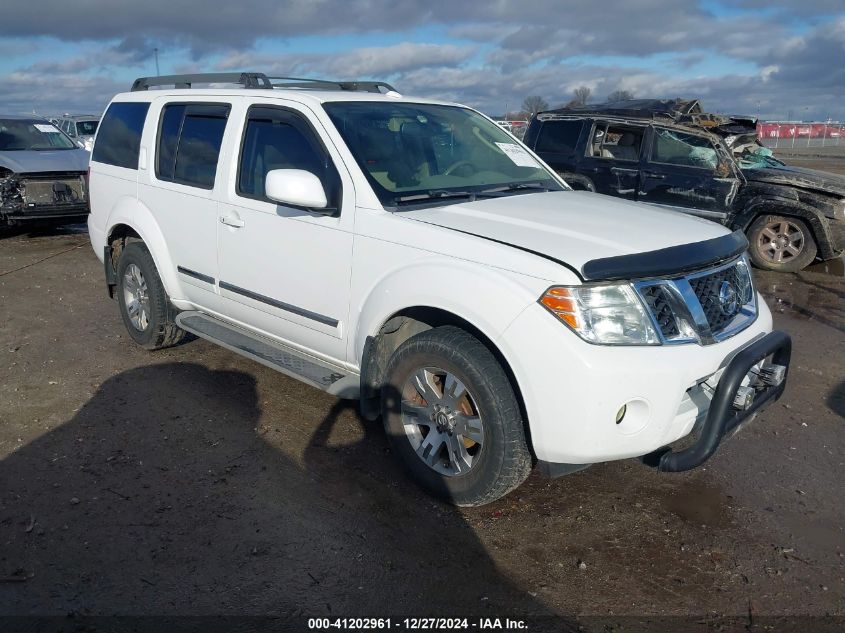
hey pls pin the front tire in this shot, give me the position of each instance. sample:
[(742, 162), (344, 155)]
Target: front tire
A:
[(143, 302), (781, 243), (450, 412)]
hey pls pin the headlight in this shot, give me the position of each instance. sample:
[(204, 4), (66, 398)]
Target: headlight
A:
[(609, 314)]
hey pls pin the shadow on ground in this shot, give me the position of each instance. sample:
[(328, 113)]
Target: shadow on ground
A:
[(161, 497)]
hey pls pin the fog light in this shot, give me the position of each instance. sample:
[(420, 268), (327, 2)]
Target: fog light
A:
[(773, 375), (743, 398), (620, 415)]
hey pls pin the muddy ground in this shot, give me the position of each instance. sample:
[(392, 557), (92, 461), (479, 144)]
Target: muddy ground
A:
[(192, 481)]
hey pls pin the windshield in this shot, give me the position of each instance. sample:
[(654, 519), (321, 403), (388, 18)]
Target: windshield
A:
[(418, 154), (86, 128), (758, 161), (34, 135)]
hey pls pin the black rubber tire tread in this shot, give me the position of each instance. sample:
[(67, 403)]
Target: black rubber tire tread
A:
[(506, 458), (804, 259), (162, 331)]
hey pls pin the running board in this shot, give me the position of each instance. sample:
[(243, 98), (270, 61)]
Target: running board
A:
[(335, 380)]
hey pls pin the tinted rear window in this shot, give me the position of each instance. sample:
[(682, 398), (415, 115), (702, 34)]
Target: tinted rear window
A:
[(560, 137), (119, 140), (189, 143)]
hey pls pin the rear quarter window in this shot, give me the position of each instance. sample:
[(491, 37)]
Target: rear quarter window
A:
[(119, 139), (559, 137)]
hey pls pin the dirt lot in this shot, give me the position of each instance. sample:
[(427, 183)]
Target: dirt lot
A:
[(191, 481)]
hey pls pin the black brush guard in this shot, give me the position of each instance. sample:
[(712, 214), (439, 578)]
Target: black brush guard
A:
[(722, 417)]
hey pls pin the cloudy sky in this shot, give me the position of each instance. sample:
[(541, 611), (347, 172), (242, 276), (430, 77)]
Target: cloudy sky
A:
[(773, 58)]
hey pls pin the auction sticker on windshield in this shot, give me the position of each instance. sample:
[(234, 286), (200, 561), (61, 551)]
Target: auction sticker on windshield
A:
[(518, 155), (45, 128)]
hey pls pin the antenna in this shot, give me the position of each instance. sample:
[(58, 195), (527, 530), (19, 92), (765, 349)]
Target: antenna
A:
[(155, 51)]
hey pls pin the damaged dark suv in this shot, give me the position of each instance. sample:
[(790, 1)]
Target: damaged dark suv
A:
[(671, 154), (43, 174)]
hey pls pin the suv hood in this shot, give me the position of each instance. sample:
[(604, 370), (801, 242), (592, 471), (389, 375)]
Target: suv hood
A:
[(571, 226), (798, 177), (31, 162)]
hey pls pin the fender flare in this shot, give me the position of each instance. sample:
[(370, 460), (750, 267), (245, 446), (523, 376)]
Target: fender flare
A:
[(420, 285), (139, 218)]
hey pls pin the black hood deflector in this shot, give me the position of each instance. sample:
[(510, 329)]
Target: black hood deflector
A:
[(666, 262)]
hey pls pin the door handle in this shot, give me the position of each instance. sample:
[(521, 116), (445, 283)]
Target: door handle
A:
[(230, 221), (656, 176)]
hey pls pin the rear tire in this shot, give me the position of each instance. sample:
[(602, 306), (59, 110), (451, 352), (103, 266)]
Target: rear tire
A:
[(781, 243), (450, 412), (143, 302)]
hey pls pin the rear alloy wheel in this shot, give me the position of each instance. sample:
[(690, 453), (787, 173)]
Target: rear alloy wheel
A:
[(143, 302), (781, 243), (451, 414)]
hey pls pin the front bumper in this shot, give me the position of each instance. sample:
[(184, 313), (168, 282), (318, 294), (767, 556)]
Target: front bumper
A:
[(722, 417), (573, 391)]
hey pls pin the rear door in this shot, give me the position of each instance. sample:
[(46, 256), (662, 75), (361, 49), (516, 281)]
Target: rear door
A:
[(179, 188), (689, 173), (612, 158)]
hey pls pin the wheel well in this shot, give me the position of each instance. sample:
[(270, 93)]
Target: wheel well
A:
[(119, 235), (811, 220), (399, 328)]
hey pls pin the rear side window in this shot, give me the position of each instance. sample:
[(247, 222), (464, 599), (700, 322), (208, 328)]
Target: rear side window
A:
[(279, 139), (119, 140), (189, 142), (559, 137)]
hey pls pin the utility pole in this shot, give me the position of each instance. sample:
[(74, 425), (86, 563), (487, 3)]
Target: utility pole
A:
[(155, 51)]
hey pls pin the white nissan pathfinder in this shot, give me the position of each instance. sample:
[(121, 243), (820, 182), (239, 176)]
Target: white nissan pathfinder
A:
[(415, 256)]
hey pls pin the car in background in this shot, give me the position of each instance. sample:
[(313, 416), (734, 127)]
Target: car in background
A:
[(43, 173), (81, 128), (671, 154)]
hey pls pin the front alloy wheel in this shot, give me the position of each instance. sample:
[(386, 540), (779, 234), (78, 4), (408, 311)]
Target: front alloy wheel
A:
[(452, 416), (441, 421)]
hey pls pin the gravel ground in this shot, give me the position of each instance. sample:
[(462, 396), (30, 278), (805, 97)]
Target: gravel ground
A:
[(192, 481)]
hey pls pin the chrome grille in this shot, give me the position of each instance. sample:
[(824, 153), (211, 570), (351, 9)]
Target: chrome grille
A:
[(657, 300), (704, 307), (708, 288)]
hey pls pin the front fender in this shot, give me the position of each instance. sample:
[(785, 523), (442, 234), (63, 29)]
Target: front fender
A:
[(139, 218), (488, 298)]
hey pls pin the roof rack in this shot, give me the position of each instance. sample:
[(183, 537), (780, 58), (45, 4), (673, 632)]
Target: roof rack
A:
[(258, 81), (247, 80), (325, 84)]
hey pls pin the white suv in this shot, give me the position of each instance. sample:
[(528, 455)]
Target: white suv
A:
[(414, 255)]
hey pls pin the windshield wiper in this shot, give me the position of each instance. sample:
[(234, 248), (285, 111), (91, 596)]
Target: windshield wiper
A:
[(469, 195), (435, 194), (515, 188)]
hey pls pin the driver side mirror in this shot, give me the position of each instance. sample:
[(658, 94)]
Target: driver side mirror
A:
[(296, 187)]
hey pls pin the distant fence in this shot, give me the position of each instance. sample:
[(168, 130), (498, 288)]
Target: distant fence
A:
[(800, 134)]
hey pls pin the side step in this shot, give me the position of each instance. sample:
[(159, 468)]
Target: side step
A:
[(317, 373)]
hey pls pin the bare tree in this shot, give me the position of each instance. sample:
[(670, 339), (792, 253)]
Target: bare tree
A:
[(620, 95), (582, 95), (534, 104)]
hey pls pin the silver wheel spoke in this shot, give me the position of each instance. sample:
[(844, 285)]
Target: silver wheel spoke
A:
[(769, 233), (459, 459), (453, 389), (429, 448), (471, 429), (424, 383)]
